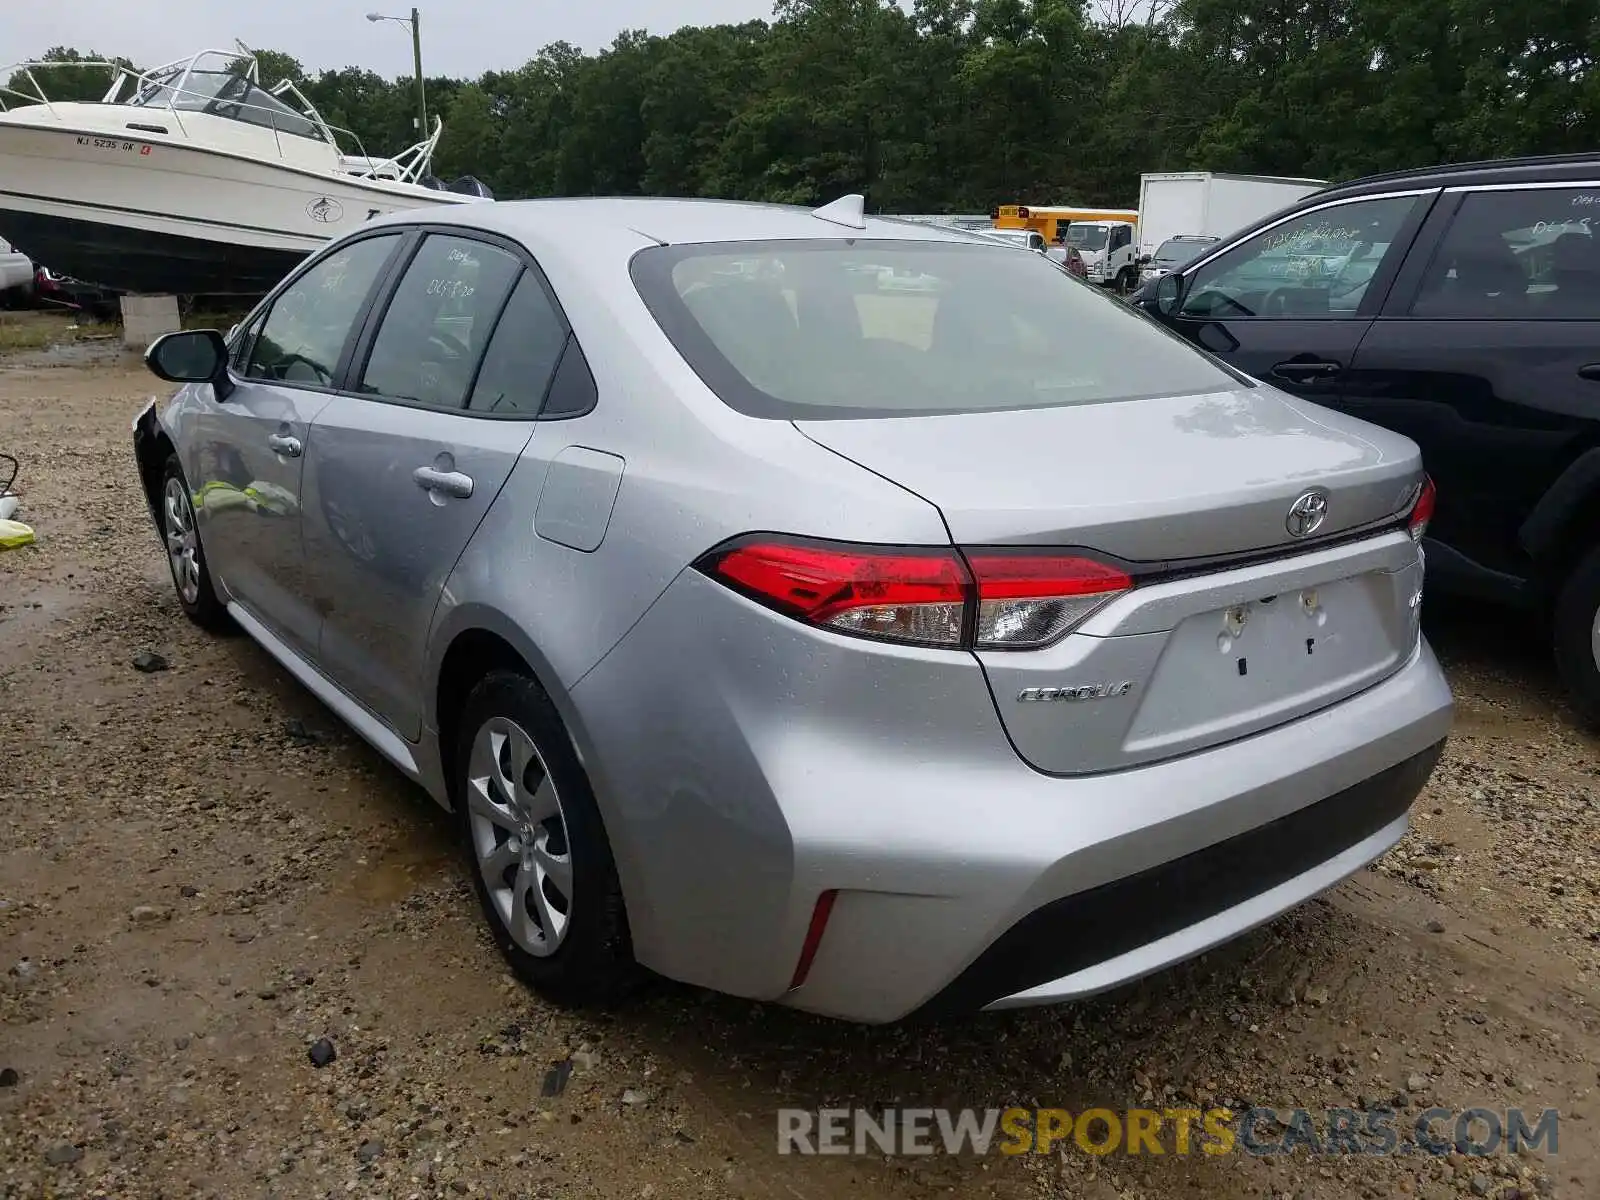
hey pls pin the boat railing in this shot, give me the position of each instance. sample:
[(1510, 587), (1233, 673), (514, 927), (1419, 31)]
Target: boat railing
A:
[(409, 166)]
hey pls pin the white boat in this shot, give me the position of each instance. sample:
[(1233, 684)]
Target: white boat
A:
[(191, 178)]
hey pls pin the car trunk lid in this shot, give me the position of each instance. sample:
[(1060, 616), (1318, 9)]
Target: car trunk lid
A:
[(1235, 624), (1147, 480)]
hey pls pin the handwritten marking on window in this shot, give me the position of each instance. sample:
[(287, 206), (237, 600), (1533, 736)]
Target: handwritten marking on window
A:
[(1302, 240), (1575, 225)]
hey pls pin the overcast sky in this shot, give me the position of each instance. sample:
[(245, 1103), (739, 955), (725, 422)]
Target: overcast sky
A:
[(459, 37)]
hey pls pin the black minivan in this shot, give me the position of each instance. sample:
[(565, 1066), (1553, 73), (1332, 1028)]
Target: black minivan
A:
[(1459, 305)]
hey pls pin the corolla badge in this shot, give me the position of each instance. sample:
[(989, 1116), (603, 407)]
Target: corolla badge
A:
[(325, 210), (1307, 513), (1086, 691)]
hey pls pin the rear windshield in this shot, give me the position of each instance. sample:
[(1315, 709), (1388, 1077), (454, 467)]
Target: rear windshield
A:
[(834, 329), (1174, 252)]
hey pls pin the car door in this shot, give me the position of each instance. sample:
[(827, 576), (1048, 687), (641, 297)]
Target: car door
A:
[(405, 463), (1487, 354), (248, 448), (1290, 303)]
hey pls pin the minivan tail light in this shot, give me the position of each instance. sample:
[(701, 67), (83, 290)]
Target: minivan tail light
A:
[(1026, 600), (985, 599), (1422, 510), (899, 595)]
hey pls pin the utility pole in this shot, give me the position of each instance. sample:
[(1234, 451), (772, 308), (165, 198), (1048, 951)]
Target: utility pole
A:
[(415, 21), (422, 92)]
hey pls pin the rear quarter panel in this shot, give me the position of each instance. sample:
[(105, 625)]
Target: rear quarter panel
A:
[(694, 473)]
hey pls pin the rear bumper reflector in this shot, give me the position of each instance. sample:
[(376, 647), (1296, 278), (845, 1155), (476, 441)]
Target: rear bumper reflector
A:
[(819, 925)]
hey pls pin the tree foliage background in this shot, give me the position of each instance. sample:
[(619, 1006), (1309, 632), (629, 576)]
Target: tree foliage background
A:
[(959, 105)]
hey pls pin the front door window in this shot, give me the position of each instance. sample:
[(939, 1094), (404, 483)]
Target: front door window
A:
[(1315, 265), (304, 334)]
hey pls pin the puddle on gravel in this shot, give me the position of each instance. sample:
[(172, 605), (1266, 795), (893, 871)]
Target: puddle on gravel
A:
[(94, 350), (389, 876), (1493, 722), (22, 619)]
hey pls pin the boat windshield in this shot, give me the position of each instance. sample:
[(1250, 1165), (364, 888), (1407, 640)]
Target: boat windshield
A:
[(224, 94)]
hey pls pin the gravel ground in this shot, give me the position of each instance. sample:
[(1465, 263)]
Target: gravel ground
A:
[(202, 876)]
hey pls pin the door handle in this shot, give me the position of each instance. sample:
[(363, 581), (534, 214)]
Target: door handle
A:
[(450, 483), (1301, 371), (1589, 371), (282, 443)]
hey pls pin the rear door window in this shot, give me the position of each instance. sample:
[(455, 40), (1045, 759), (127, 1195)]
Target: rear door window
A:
[(522, 355), (1527, 254), (438, 322)]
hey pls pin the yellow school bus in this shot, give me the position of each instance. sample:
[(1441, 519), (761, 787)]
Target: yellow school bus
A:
[(1051, 221)]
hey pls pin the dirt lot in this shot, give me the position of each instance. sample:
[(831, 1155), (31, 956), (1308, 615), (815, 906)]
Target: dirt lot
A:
[(202, 874)]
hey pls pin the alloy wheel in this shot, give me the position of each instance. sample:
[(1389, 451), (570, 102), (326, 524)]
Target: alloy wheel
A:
[(1594, 639), (519, 836), (183, 544)]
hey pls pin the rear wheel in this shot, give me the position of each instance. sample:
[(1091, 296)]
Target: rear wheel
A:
[(1577, 635), (537, 847), (185, 557)]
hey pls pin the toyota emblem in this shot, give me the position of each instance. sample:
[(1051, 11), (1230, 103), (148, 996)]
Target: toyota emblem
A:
[(1307, 514)]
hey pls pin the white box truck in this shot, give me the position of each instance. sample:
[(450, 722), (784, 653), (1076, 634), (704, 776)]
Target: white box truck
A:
[(1212, 203)]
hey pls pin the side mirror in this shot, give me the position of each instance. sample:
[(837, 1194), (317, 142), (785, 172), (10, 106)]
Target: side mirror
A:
[(1168, 293), (1144, 260), (191, 356)]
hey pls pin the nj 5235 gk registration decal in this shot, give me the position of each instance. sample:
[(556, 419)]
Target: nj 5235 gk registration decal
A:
[(100, 143)]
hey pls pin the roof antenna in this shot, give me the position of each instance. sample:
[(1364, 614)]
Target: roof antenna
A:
[(849, 211)]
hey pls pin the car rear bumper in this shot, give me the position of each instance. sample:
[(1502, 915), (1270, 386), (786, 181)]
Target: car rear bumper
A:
[(746, 764), (1096, 939)]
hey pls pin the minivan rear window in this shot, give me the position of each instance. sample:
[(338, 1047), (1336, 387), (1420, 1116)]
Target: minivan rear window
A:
[(837, 329)]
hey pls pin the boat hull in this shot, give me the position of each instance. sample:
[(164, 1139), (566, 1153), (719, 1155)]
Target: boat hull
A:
[(147, 215), (127, 259)]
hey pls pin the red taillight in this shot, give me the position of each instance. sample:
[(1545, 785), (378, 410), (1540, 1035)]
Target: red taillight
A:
[(1422, 510), (901, 595), (1028, 600), (921, 596), (819, 925)]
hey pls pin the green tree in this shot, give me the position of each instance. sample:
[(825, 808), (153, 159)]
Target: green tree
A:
[(90, 81), (960, 105)]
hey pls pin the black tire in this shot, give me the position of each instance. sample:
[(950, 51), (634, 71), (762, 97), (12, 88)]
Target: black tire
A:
[(1577, 610), (593, 962), (202, 607)]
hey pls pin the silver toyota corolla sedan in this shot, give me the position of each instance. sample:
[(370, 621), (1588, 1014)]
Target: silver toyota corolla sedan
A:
[(821, 609)]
